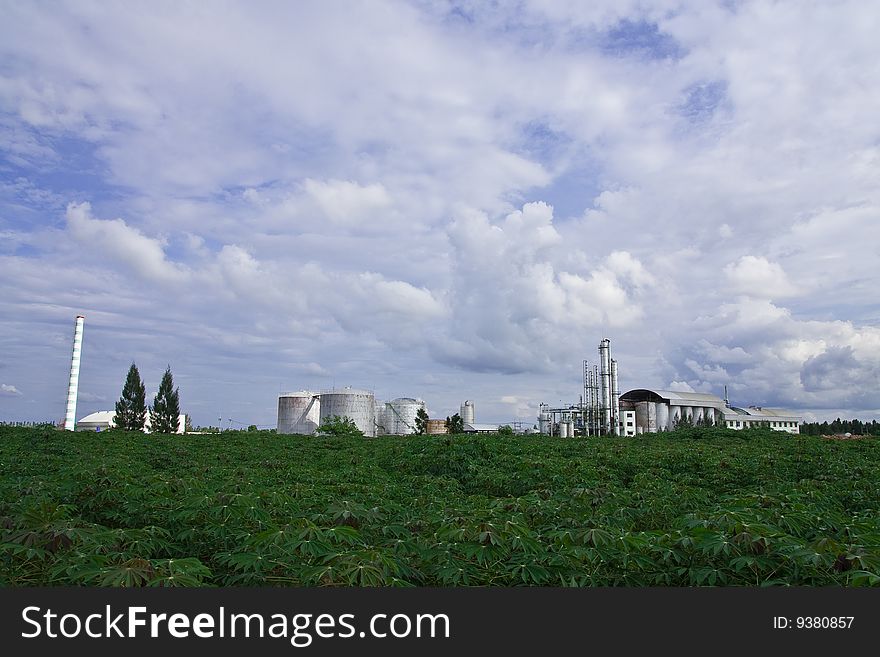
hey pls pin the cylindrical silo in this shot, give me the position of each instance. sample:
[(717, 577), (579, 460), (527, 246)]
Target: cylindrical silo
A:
[(467, 412), (298, 412), (357, 405), (401, 415), (436, 427), (674, 416), (543, 421), (662, 416), (563, 429), (698, 414)]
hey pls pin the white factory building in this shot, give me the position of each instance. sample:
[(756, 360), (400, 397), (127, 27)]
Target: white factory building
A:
[(649, 411), (103, 420)]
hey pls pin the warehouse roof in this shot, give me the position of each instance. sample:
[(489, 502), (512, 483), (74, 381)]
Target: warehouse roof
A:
[(676, 398)]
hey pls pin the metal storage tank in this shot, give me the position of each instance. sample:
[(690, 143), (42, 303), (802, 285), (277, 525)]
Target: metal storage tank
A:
[(663, 416), (401, 415), (467, 412), (563, 429), (357, 405), (544, 422), (436, 427), (298, 412), (382, 424)]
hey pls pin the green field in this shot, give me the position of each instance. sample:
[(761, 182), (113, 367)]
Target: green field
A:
[(697, 507)]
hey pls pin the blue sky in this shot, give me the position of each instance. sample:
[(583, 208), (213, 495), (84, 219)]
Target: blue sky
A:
[(443, 200)]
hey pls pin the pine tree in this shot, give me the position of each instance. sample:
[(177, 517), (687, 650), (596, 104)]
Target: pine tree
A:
[(131, 409), (165, 412), (421, 421)]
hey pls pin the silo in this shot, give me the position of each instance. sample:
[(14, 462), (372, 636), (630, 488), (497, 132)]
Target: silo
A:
[(436, 427), (563, 429), (357, 405), (298, 412), (543, 421), (467, 412), (401, 415), (663, 416)]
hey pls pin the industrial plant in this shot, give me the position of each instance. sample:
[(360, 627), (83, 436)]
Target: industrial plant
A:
[(600, 411)]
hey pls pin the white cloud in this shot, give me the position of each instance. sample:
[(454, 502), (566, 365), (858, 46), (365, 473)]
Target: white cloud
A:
[(117, 241), (7, 390), (758, 277), (382, 205)]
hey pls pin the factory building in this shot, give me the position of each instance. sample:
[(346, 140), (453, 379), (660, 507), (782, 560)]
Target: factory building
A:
[(103, 420), (662, 410)]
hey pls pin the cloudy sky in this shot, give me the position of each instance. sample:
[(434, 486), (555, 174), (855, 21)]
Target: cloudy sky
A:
[(446, 200)]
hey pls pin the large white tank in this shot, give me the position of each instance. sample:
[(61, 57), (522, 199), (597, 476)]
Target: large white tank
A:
[(544, 421), (563, 429), (401, 414), (382, 423), (298, 412), (467, 412), (358, 405)]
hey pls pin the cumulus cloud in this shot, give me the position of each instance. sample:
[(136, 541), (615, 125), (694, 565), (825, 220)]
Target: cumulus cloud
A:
[(7, 390), (427, 202), (115, 240), (758, 277), (517, 298)]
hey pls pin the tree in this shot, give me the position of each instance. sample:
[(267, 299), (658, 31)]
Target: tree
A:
[(684, 421), (506, 431), (165, 412), (421, 421), (455, 424), (131, 409), (339, 427)]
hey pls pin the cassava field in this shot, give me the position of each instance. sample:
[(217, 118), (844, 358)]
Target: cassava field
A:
[(694, 507)]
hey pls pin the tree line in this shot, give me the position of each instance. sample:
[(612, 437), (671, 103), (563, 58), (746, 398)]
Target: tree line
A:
[(131, 409), (826, 428)]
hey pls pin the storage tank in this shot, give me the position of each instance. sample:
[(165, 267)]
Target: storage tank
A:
[(436, 427), (298, 412), (401, 415), (563, 429), (467, 412), (382, 423), (544, 421), (357, 405)]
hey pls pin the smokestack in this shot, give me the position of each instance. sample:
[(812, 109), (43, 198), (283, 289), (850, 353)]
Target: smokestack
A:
[(73, 383), (605, 380), (615, 399)]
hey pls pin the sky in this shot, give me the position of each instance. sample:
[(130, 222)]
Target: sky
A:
[(444, 200)]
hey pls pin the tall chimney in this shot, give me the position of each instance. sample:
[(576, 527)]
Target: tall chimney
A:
[(615, 399), (605, 383), (73, 383)]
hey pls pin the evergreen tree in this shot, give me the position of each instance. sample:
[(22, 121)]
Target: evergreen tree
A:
[(165, 412), (421, 421), (131, 409), (455, 424)]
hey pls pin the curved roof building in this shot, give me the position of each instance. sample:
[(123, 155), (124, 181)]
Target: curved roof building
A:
[(662, 410)]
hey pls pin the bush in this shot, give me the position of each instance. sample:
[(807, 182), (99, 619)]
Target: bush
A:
[(339, 427)]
